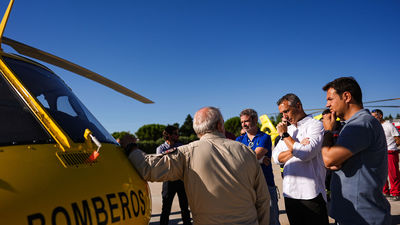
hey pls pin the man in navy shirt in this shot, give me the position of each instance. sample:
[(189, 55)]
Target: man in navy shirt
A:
[(170, 188), (260, 142), (359, 157)]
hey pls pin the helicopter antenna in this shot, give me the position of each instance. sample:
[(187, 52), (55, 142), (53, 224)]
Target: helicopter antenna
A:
[(5, 19)]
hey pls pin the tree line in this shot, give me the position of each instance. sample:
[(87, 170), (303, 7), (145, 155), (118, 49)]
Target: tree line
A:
[(150, 136)]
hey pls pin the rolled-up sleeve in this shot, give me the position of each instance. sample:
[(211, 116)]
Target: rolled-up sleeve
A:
[(158, 167), (276, 151), (307, 152)]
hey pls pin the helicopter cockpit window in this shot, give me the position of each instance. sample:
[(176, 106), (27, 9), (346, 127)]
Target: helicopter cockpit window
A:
[(63, 105), (43, 101), (18, 125), (58, 99)]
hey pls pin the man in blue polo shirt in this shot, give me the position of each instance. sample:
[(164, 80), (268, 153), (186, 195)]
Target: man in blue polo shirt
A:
[(260, 142), (359, 157)]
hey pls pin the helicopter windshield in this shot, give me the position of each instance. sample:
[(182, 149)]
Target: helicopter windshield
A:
[(59, 101), (18, 125)]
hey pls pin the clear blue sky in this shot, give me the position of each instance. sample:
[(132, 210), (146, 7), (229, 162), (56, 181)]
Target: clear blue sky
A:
[(232, 54)]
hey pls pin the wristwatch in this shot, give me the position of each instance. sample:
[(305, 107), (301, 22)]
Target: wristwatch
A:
[(285, 135)]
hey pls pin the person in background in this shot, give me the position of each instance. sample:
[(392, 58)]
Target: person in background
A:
[(358, 157), (304, 174), (393, 140), (229, 135), (223, 181), (261, 144), (335, 130), (170, 188)]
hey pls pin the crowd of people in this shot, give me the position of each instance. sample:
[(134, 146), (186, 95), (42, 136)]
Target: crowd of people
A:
[(226, 181)]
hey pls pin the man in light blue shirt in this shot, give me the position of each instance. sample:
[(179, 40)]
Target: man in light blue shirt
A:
[(359, 158)]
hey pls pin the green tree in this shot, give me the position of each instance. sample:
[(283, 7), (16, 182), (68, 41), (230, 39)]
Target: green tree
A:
[(187, 127), (186, 140), (276, 119), (390, 117), (150, 146), (397, 116), (120, 134), (150, 132), (233, 125)]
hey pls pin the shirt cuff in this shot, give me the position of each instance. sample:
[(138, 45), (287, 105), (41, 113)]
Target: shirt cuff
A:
[(296, 147), (275, 158)]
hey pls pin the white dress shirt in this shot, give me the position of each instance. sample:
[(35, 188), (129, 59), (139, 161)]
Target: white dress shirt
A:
[(390, 133), (304, 173)]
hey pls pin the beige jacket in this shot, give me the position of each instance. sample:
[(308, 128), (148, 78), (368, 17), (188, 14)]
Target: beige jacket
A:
[(223, 180)]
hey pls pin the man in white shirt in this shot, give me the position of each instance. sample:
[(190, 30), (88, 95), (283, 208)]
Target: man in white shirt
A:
[(393, 140), (304, 171)]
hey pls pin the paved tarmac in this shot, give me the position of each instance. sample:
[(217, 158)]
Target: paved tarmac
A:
[(175, 217)]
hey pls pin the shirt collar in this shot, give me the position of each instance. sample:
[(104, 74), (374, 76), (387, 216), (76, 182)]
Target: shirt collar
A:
[(304, 120), (212, 135), (257, 134), (166, 145), (361, 111)]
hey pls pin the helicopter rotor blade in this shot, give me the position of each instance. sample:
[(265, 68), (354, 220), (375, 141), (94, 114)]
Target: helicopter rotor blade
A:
[(382, 106), (67, 65), (320, 109), (310, 111), (383, 100), (313, 111)]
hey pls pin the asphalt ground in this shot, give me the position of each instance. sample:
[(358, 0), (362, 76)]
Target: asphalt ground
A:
[(175, 217)]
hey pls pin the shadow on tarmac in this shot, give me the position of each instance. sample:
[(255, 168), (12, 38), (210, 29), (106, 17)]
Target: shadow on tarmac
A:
[(395, 219), (171, 221)]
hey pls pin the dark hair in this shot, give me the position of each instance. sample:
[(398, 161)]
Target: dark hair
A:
[(344, 84), (168, 131), (378, 111), (291, 98)]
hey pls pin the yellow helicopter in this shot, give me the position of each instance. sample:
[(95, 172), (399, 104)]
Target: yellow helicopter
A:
[(58, 164)]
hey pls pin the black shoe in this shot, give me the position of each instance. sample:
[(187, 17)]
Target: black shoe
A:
[(395, 198)]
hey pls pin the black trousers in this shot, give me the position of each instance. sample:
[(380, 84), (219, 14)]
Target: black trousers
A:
[(170, 188), (307, 212)]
